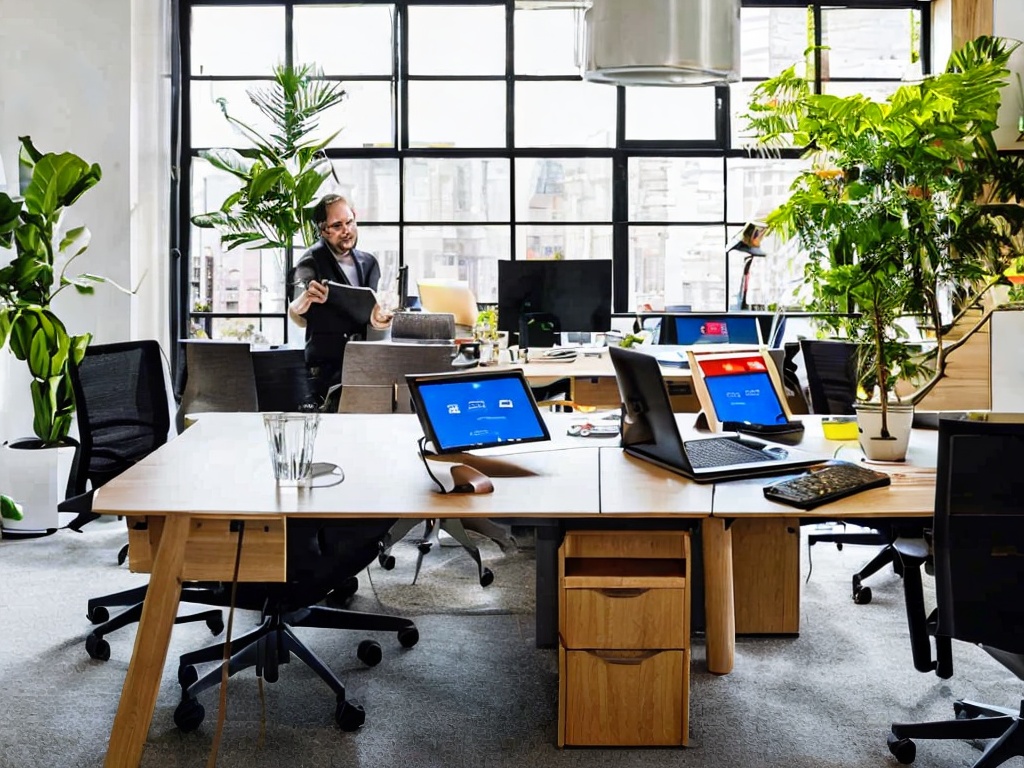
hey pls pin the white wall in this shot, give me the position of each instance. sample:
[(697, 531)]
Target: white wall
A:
[(67, 79), (1008, 21)]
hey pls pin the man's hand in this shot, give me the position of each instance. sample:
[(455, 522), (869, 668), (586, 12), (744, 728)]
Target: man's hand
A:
[(381, 318), (315, 293)]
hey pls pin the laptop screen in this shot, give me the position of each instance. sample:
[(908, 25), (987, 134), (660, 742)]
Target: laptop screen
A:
[(739, 387), (467, 411)]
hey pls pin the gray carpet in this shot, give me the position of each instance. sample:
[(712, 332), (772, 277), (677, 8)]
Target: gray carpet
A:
[(475, 691)]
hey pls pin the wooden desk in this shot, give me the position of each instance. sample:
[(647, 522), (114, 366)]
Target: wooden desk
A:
[(218, 471), (764, 536), (593, 381)]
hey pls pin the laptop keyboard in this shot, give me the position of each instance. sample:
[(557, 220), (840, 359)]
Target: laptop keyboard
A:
[(721, 452)]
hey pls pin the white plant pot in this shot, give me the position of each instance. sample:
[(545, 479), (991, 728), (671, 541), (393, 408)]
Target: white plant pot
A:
[(869, 431), (36, 478)]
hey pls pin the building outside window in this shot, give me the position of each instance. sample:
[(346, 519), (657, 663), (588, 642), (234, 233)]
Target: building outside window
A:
[(459, 152)]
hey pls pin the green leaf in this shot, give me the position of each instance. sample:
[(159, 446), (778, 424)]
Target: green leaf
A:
[(10, 509)]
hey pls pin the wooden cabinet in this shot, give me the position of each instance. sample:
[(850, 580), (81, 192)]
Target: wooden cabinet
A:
[(624, 638)]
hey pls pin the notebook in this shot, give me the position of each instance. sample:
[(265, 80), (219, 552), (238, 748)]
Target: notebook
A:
[(475, 410), (735, 388), (650, 432)]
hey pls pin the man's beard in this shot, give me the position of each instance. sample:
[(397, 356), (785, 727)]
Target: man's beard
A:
[(337, 251)]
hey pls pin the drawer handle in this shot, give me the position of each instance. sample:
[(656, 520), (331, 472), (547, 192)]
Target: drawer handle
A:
[(622, 592), (634, 658)]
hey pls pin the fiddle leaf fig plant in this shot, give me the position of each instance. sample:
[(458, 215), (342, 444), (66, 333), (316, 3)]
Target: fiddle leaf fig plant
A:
[(905, 201), (37, 273)]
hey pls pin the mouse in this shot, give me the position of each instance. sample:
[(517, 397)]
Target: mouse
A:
[(776, 451)]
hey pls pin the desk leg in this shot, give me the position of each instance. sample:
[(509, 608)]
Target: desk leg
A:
[(719, 611), (548, 539), (142, 683)]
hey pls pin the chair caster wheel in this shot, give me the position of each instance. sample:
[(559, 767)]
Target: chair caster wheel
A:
[(98, 615), (189, 715), (408, 637), (187, 674), (349, 716), (369, 652), (904, 750), (862, 595), (347, 588), (424, 547), (215, 624), (486, 577), (97, 647), (387, 562)]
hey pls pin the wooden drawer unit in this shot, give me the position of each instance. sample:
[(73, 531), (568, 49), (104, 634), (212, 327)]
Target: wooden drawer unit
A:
[(624, 638)]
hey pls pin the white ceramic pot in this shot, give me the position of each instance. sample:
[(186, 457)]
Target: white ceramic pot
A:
[(37, 478), (900, 419)]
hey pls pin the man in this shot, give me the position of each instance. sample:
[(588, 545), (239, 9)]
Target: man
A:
[(333, 258)]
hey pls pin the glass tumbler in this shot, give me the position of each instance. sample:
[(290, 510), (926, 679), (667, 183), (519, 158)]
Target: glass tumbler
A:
[(290, 438)]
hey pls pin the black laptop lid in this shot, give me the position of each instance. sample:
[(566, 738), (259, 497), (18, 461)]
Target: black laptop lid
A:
[(476, 409), (648, 422)]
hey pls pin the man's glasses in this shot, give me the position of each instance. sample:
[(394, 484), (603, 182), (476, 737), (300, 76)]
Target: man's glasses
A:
[(337, 226)]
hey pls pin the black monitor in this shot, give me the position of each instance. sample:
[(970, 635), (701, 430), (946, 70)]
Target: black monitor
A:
[(578, 293)]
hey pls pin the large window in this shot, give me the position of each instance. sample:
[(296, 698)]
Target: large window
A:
[(459, 150)]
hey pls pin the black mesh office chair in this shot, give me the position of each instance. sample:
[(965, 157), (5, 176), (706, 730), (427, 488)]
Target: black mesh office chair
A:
[(979, 568), (123, 414), (831, 369), (282, 380), (321, 554)]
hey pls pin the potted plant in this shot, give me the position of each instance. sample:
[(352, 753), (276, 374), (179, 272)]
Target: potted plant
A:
[(37, 273), (906, 201), (281, 174)]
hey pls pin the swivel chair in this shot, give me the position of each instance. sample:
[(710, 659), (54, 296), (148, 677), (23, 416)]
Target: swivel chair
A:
[(979, 568), (218, 376), (123, 413), (831, 368), (320, 555)]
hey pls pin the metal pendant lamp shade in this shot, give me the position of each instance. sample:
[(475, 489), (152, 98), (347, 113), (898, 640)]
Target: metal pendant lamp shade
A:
[(662, 42)]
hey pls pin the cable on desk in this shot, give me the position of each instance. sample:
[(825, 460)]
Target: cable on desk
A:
[(422, 442), (226, 662)]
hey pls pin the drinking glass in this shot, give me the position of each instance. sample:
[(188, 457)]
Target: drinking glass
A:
[(290, 438)]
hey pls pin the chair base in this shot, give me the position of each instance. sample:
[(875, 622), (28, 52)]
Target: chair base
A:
[(455, 528), (272, 644), (973, 721)]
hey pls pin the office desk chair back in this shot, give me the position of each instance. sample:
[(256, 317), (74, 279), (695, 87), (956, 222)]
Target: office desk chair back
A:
[(979, 569), (831, 367), (219, 377), (123, 412)]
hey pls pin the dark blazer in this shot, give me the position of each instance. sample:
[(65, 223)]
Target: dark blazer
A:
[(327, 331)]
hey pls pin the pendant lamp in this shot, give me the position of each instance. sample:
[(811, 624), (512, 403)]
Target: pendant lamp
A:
[(662, 42)]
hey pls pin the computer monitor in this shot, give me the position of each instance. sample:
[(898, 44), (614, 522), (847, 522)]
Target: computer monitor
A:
[(723, 328), (576, 292), (449, 296)]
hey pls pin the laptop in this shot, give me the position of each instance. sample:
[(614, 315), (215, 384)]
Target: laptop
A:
[(650, 432), (477, 410)]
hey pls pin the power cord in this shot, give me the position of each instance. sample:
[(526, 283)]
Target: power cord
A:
[(225, 664), (422, 442)]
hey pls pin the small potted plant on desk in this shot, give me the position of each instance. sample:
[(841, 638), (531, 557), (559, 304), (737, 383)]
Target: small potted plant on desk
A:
[(905, 200), (30, 225)]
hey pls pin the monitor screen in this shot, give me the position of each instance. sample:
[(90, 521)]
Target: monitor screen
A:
[(716, 329), (578, 293), (466, 411)]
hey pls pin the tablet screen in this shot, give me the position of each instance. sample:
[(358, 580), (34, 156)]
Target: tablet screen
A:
[(466, 411), (741, 389)]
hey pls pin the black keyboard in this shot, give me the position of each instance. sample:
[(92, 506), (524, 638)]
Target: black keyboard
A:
[(820, 486), (721, 452)]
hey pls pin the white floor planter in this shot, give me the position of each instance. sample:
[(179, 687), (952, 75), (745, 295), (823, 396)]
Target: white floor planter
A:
[(899, 420), (36, 478)]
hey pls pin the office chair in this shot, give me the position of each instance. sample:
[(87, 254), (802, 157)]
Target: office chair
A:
[(282, 381), (373, 381), (123, 413), (831, 368), (320, 554), (218, 377), (979, 569)]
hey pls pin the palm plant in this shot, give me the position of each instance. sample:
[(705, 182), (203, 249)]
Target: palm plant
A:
[(282, 173), (906, 198)]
